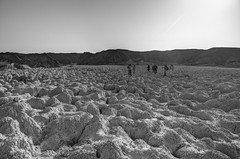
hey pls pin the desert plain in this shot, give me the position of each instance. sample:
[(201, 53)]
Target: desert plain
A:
[(99, 112)]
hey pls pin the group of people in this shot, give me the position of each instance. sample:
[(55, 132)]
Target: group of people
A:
[(165, 68), (131, 69)]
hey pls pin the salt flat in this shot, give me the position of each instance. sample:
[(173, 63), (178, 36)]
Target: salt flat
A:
[(91, 112)]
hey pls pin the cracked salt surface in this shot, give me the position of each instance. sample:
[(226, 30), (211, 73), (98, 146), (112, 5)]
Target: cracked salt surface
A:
[(100, 112)]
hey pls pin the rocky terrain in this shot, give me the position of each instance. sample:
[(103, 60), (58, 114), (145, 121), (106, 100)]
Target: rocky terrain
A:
[(99, 112), (227, 57)]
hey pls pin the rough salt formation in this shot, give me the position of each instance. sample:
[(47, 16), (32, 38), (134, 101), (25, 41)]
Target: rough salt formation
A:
[(91, 112)]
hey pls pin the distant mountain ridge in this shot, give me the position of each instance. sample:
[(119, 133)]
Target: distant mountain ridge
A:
[(228, 57)]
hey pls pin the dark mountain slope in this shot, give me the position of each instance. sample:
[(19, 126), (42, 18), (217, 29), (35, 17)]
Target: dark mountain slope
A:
[(214, 57), (217, 56)]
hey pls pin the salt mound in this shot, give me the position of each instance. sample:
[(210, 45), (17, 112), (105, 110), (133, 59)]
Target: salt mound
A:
[(64, 97), (37, 103), (2, 90), (17, 111), (43, 91), (13, 143), (95, 130), (9, 126), (30, 90), (64, 131), (225, 88), (56, 91), (112, 100), (133, 113), (4, 100), (168, 138), (51, 101)]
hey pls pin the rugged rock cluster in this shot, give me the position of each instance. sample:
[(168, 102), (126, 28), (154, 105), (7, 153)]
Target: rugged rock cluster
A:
[(92, 112)]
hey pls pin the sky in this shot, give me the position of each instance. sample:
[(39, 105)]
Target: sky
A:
[(30, 26)]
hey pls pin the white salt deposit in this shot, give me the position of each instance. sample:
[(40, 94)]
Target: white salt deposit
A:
[(99, 112)]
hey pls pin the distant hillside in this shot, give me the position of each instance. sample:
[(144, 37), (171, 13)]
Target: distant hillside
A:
[(228, 57)]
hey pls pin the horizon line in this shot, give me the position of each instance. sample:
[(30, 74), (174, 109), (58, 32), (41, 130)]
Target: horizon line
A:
[(218, 47)]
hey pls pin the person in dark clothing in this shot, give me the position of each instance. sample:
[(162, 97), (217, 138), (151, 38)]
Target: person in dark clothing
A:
[(129, 70), (165, 69), (155, 68), (148, 68), (134, 68)]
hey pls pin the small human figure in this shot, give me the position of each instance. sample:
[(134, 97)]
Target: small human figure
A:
[(148, 68), (134, 68), (165, 69), (129, 70), (154, 68)]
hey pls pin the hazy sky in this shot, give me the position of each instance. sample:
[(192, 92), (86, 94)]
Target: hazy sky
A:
[(95, 25)]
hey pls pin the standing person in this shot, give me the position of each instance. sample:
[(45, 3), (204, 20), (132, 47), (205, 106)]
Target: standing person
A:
[(129, 70), (165, 68), (134, 68), (155, 68), (148, 68)]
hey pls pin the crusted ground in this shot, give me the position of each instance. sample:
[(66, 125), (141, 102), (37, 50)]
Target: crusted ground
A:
[(99, 112)]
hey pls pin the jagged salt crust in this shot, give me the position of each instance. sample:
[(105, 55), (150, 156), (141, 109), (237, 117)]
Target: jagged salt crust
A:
[(98, 112)]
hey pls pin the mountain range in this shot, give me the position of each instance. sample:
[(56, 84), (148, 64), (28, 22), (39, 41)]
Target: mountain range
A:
[(226, 57)]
